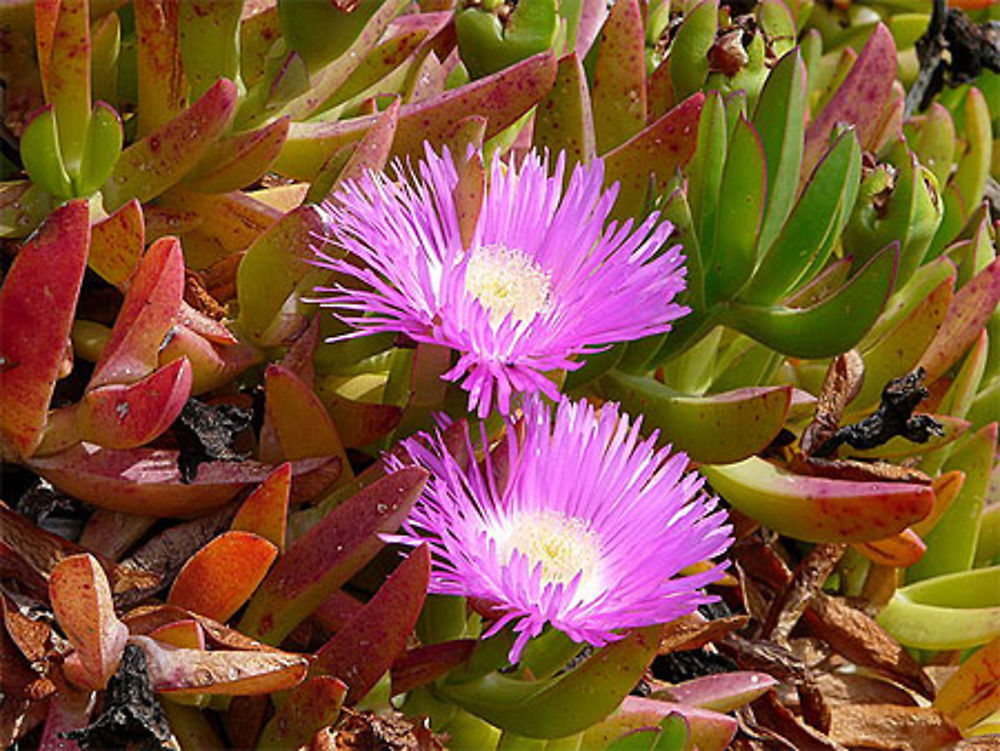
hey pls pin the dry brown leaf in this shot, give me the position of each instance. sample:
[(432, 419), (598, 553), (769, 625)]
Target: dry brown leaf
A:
[(809, 575), (694, 631), (891, 727), (854, 688), (861, 640), (32, 636), (772, 714), (843, 381)]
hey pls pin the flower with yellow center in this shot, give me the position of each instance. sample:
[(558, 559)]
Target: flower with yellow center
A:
[(587, 528), (543, 278)]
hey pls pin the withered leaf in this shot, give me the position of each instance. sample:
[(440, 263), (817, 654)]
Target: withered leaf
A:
[(809, 576), (393, 732), (888, 726), (693, 631), (843, 381), (854, 688), (772, 714), (861, 640)]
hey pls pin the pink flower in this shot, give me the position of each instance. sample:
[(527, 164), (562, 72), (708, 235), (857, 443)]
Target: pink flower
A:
[(545, 277), (586, 530)]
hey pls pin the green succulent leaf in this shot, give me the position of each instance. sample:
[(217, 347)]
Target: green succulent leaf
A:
[(779, 120), (951, 544), (811, 226), (42, 156), (487, 45), (103, 147), (704, 173), (560, 706), (738, 217), (715, 429), (829, 327), (689, 50)]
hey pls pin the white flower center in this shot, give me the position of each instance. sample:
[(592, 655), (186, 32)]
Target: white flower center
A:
[(507, 281), (563, 545)]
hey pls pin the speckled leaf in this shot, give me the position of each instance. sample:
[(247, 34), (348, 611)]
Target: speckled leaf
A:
[(209, 42), (68, 86), (218, 579), (234, 162), (619, 89), (819, 509), (387, 620), (81, 600), (147, 314), (502, 98), (860, 100), (973, 691), (147, 481), (116, 244), (33, 337), (659, 150), (328, 554), (162, 85), (716, 429), (563, 121), (120, 416), (151, 165), (970, 309), (187, 633)]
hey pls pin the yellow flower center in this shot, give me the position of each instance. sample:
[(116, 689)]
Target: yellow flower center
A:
[(563, 545), (507, 281)]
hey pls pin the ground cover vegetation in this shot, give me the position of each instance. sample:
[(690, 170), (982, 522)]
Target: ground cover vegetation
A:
[(550, 374)]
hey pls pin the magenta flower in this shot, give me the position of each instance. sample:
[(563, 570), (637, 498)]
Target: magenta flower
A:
[(543, 279), (587, 531)]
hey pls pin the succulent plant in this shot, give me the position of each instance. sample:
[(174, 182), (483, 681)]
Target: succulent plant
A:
[(235, 479)]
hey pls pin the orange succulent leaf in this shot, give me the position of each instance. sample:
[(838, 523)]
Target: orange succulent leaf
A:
[(973, 691), (899, 550), (187, 634), (220, 577), (265, 511), (329, 554), (946, 488), (147, 314), (33, 333), (291, 404), (81, 600), (387, 620)]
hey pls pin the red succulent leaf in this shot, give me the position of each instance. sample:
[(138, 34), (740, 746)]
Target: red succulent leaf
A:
[(37, 305)]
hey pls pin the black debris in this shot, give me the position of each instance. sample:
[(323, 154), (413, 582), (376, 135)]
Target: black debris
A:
[(208, 433)]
